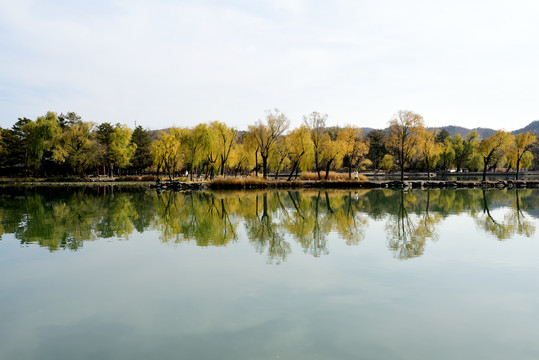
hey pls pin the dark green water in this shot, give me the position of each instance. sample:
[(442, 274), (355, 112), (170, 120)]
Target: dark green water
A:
[(127, 273)]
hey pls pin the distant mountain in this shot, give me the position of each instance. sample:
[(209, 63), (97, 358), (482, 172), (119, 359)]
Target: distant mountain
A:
[(533, 127), (452, 129), (485, 132), (366, 130)]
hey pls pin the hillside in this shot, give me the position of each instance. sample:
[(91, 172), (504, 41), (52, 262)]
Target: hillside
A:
[(452, 129), (533, 127)]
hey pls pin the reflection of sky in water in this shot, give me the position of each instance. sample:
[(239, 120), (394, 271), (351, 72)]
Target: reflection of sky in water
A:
[(467, 296)]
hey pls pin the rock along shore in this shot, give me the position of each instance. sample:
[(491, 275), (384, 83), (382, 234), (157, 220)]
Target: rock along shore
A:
[(344, 184)]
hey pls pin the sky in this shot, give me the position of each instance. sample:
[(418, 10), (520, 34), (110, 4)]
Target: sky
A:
[(165, 63)]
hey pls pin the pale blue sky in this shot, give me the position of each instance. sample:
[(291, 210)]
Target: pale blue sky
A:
[(177, 63)]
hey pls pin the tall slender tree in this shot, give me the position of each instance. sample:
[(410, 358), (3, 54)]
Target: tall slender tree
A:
[(317, 124), (266, 134), (403, 136), (520, 147)]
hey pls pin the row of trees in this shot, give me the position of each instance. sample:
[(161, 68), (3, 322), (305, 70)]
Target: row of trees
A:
[(62, 144)]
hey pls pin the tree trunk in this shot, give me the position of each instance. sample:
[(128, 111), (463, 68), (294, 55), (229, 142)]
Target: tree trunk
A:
[(264, 166), (292, 172), (222, 167), (518, 166), (317, 166), (327, 168)]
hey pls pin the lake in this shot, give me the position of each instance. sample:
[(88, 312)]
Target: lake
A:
[(111, 272)]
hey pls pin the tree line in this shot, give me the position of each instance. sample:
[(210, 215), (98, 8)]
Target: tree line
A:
[(65, 144)]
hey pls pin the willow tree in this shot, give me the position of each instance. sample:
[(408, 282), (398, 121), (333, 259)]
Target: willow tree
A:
[(39, 137), (195, 143), (300, 149), (278, 159), (520, 149), (492, 148), (121, 147), (167, 152), (403, 137), (354, 147), (77, 146), (225, 139), (429, 149), (317, 125), (333, 152), (265, 134)]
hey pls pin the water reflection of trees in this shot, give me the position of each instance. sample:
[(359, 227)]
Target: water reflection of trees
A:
[(195, 216), (273, 221), (514, 222), (407, 233)]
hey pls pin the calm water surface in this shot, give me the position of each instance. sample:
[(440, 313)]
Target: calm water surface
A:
[(127, 273)]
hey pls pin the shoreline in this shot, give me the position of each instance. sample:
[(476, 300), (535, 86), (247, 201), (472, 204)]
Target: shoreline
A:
[(350, 184), (253, 183)]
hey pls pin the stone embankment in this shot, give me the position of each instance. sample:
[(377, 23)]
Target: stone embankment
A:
[(423, 184), (177, 185), (411, 184)]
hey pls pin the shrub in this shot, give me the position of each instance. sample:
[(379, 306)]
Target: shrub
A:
[(148, 178)]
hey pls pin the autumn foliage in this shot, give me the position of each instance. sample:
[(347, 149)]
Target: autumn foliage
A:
[(59, 145)]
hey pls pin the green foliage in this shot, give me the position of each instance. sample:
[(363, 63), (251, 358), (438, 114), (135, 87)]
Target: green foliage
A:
[(121, 147), (142, 157), (39, 137), (76, 146), (464, 149), (377, 148)]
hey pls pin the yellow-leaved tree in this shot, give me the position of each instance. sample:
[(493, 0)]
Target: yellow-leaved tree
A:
[(332, 154), (265, 134), (404, 136), (519, 151), (225, 140), (300, 149), (167, 151), (429, 149), (492, 148), (121, 147), (354, 147), (316, 122), (77, 146)]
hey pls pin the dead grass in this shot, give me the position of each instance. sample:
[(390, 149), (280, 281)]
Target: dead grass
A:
[(148, 178), (237, 183)]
